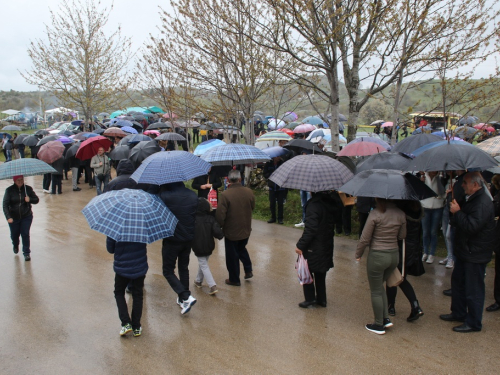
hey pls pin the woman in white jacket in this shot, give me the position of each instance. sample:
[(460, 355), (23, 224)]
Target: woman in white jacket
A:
[(433, 214)]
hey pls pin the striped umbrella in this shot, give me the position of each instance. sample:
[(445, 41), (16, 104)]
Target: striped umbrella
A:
[(235, 153), (24, 167), (491, 146), (275, 136)]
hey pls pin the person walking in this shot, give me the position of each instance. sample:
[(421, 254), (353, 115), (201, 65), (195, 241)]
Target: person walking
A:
[(386, 224), (75, 164), (57, 176), (276, 193), (8, 145), (17, 202), (206, 228), (183, 203), (100, 164), (495, 181), (474, 222), (316, 245), (207, 182), (234, 214)]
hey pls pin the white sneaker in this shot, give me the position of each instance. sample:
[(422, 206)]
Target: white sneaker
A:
[(46, 191), (430, 259), (424, 257), (299, 225), (450, 263), (444, 261), (179, 302), (187, 304)]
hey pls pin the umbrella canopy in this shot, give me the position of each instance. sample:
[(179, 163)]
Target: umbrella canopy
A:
[(130, 215), (84, 136), (135, 138), (387, 184), (301, 145), (31, 140), (7, 134), (170, 115), (490, 146), (90, 147), (377, 122), (129, 129), (170, 137), (170, 166), (289, 116), (410, 144), (12, 127), (99, 131), (190, 124), (119, 152), (72, 151), (143, 150), (313, 120), (103, 114), (311, 173), (469, 120), (20, 138), (47, 139), (275, 151), (207, 145), (155, 132), (42, 132), (114, 133), (364, 146), (275, 124), (304, 128), (453, 156), (122, 122), (235, 153), (386, 160), (465, 132), (275, 136), (159, 125), (63, 139), (259, 118), (24, 167), (51, 151), (388, 124), (422, 149)]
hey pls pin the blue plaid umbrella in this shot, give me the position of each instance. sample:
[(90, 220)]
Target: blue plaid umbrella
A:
[(207, 145), (129, 129), (312, 173), (235, 153), (130, 215), (24, 167), (170, 166)]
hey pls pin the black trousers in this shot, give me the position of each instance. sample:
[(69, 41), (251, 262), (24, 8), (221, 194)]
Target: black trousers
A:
[(236, 251), (137, 297), (317, 290), (279, 197), (407, 289), (362, 217), (57, 183), (47, 177), (496, 290), (346, 220), (177, 253), (467, 292)]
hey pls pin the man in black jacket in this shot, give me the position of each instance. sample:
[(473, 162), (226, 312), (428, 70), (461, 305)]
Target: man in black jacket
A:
[(474, 237), (183, 203), (276, 193)]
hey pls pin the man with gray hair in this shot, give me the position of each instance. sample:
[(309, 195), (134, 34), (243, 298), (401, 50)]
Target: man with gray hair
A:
[(474, 222), (234, 214)]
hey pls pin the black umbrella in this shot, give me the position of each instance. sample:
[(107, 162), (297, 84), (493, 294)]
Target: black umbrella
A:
[(385, 160), (137, 126), (299, 145), (135, 138), (170, 137), (465, 132), (451, 157), (99, 131), (31, 140), (387, 184), (139, 117), (410, 144), (20, 138), (47, 139), (41, 132), (148, 115), (120, 152), (142, 150), (12, 127), (72, 150), (468, 120), (124, 140), (347, 161), (159, 125)]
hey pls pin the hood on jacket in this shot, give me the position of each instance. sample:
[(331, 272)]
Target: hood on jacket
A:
[(125, 166), (204, 207)]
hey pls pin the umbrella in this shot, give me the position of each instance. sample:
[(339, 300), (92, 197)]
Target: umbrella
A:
[(142, 150), (301, 145), (130, 215), (114, 133), (119, 152), (71, 153), (42, 132), (364, 146), (465, 132), (103, 114), (147, 132), (122, 122), (46, 139), (495, 170), (99, 131), (190, 124), (491, 146), (257, 118), (135, 138), (377, 122), (304, 128), (410, 144), (387, 184), (450, 157), (31, 140), (424, 148), (275, 151), (12, 127), (289, 116), (275, 136), (50, 152), (468, 120), (83, 136), (482, 126), (170, 137), (311, 173), (386, 160), (159, 125), (313, 120), (24, 167), (7, 134), (77, 122), (137, 126), (342, 118), (139, 117), (234, 153), (207, 145), (63, 139), (170, 115), (170, 166), (286, 131), (128, 118), (275, 124), (388, 124), (129, 129), (89, 147), (20, 138)]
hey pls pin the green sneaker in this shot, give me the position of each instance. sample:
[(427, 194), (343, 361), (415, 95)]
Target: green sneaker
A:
[(125, 329), (137, 331)]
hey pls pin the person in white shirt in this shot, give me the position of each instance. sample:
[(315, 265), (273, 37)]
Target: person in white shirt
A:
[(433, 214)]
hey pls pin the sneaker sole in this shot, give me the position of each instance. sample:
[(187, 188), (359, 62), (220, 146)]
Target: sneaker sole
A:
[(137, 334), (389, 325), (212, 293), (198, 286), (189, 308), (123, 334), (374, 331)]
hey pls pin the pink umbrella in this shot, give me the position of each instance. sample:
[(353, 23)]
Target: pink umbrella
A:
[(148, 132), (362, 149), (480, 126), (304, 128), (387, 124), (50, 151), (170, 115)]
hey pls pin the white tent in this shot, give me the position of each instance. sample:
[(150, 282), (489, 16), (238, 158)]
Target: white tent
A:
[(11, 112), (59, 110)]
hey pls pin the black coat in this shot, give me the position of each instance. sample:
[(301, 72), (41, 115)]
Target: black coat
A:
[(316, 242), (475, 229), (206, 228), (58, 165), (124, 170), (268, 170), (202, 180), (14, 205), (131, 258), (413, 248)]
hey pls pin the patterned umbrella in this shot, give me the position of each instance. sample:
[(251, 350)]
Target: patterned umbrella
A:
[(89, 147), (207, 145), (312, 173), (490, 146), (304, 128), (130, 215), (170, 166), (275, 136), (120, 152), (235, 153), (51, 151), (24, 167)]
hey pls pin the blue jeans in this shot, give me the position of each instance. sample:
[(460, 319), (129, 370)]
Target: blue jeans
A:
[(21, 228), (8, 155), (98, 183), (430, 226), (446, 228), (304, 197)]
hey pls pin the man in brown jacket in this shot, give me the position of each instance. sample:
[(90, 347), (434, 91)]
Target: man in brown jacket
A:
[(234, 214)]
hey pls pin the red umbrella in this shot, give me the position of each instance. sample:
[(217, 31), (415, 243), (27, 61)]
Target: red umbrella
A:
[(89, 148), (50, 151), (287, 131), (362, 149), (304, 128)]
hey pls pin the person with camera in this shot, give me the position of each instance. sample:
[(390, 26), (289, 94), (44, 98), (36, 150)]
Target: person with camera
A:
[(102, 168)]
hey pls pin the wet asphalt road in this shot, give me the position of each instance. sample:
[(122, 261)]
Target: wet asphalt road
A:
[(59, 314)]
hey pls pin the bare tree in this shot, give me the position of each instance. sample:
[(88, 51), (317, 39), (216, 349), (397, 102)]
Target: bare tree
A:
[(79, 63)]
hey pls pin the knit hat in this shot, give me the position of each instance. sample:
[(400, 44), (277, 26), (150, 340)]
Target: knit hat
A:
[(16, 177)]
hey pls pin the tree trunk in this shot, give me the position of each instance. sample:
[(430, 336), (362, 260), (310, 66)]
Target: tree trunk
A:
[(334, 103), (397, 99)]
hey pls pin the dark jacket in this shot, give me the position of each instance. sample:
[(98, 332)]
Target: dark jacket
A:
[(413, 248), (206, 228), (202, 180), (131, 258), (183, 203), (475, 229), (58, 165), (234, 212), (316, 242), (124, 170), (496, 207), (14, 205), (268, 170)]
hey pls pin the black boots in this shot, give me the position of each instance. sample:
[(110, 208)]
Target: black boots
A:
[(416, 312)]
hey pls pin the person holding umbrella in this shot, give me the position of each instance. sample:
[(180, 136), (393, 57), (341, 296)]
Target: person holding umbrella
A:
[(276, 193), (17, 202), (100, 164)]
